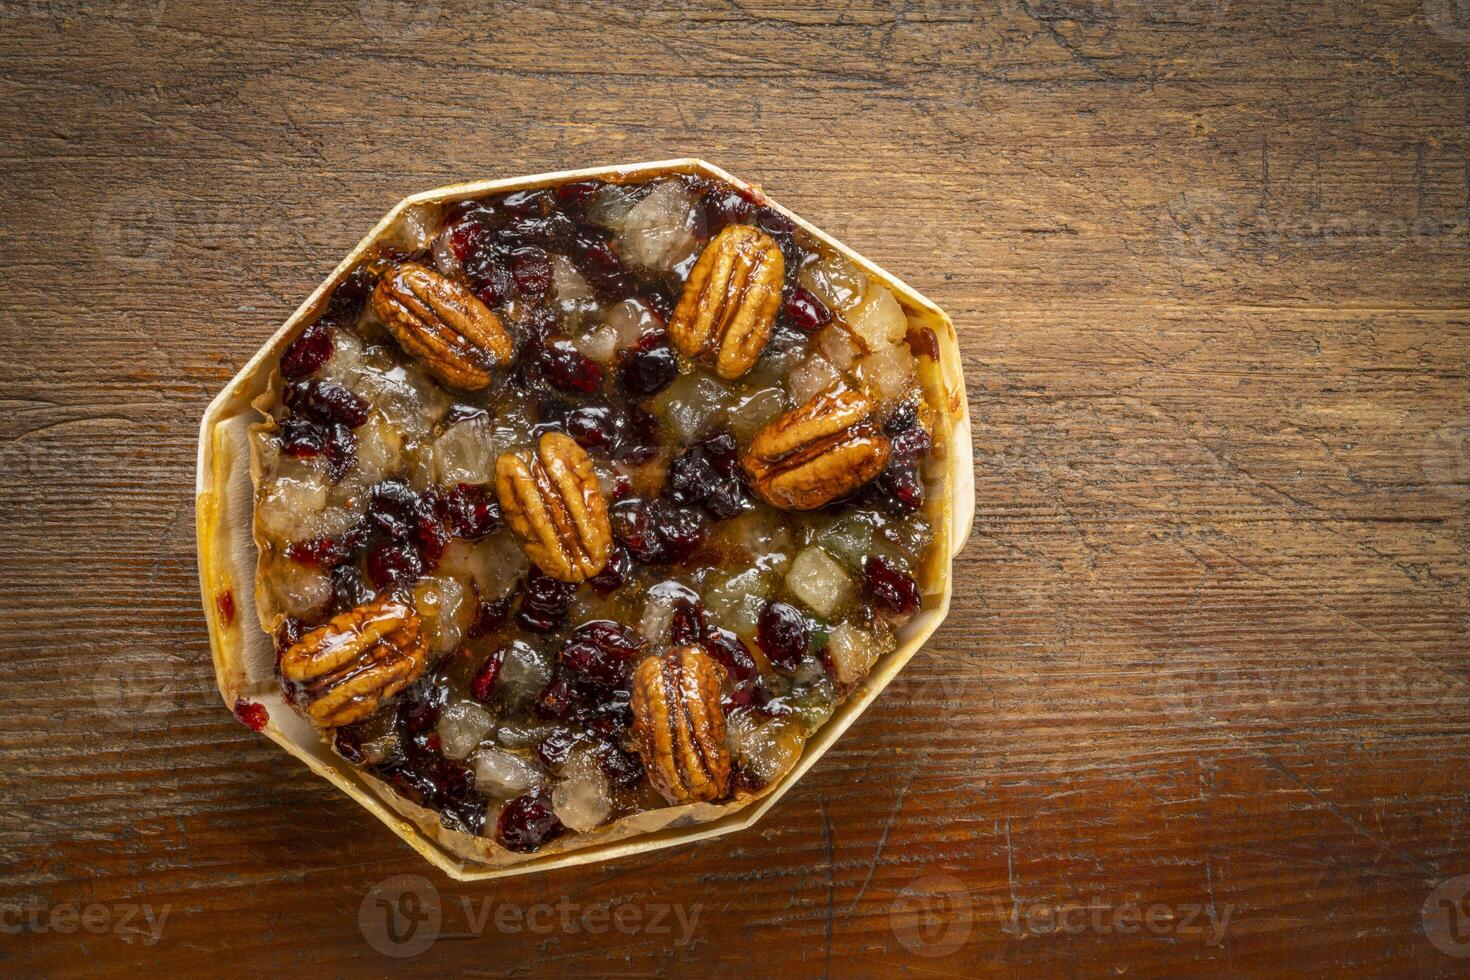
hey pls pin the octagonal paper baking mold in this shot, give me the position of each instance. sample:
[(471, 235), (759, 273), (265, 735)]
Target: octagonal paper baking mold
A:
[(244, 653)]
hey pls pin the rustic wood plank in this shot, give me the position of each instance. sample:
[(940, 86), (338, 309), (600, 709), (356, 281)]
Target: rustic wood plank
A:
[(1210, 649)]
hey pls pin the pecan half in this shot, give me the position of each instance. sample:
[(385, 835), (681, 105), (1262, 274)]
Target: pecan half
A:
[(552, 501), (817, 452), (440, 322), (344, 671), (730, 300), (679, 726)]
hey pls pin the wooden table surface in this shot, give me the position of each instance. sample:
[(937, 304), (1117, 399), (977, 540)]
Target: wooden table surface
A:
[(1201, 704)]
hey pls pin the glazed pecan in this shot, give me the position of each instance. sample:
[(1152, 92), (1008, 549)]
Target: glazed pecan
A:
[(730, 300), (551, 500), (817, 452), (443, 324), (344, 671), (679, 726)]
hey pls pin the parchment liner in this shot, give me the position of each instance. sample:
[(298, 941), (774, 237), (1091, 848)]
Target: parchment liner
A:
[(244, 655)]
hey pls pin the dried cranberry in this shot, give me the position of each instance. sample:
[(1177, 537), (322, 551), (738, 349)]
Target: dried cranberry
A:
[(409, 782), (657, 531), (602, 651), (638, 436), (527, 822), (902, 486), (692, 477), (619, 566), (568, 368), (544, 602), (288, 634), (783, 634), (891, 585), (743, 779), (648, 366), (490, 279), (530, 270), (327, 401), (806, 311), (302, 438), (482, 687), (708, 474), (340, 450), (390, 563), (608, 711), (466, 816), (578, 190), (351, 293), (621, 766), (600, 265), (911, 443), (593, 426), (748, 694), (348, 743), (317, 553), (726, 206), (556, 700), (548, 231), (688, 624), (470, 511), (554, 749), (774, 222), (252, 715), (349, 588), (659, 300), (420, 711), (732, 654), (406, 516), (466, 238), (491, 614), (307, 352)]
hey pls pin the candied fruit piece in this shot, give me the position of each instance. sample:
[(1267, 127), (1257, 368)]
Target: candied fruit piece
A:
[(503, 775), (818, 581), (461, 726)]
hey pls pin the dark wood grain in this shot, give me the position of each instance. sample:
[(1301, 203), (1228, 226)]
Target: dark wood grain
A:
[(1209, 653)]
